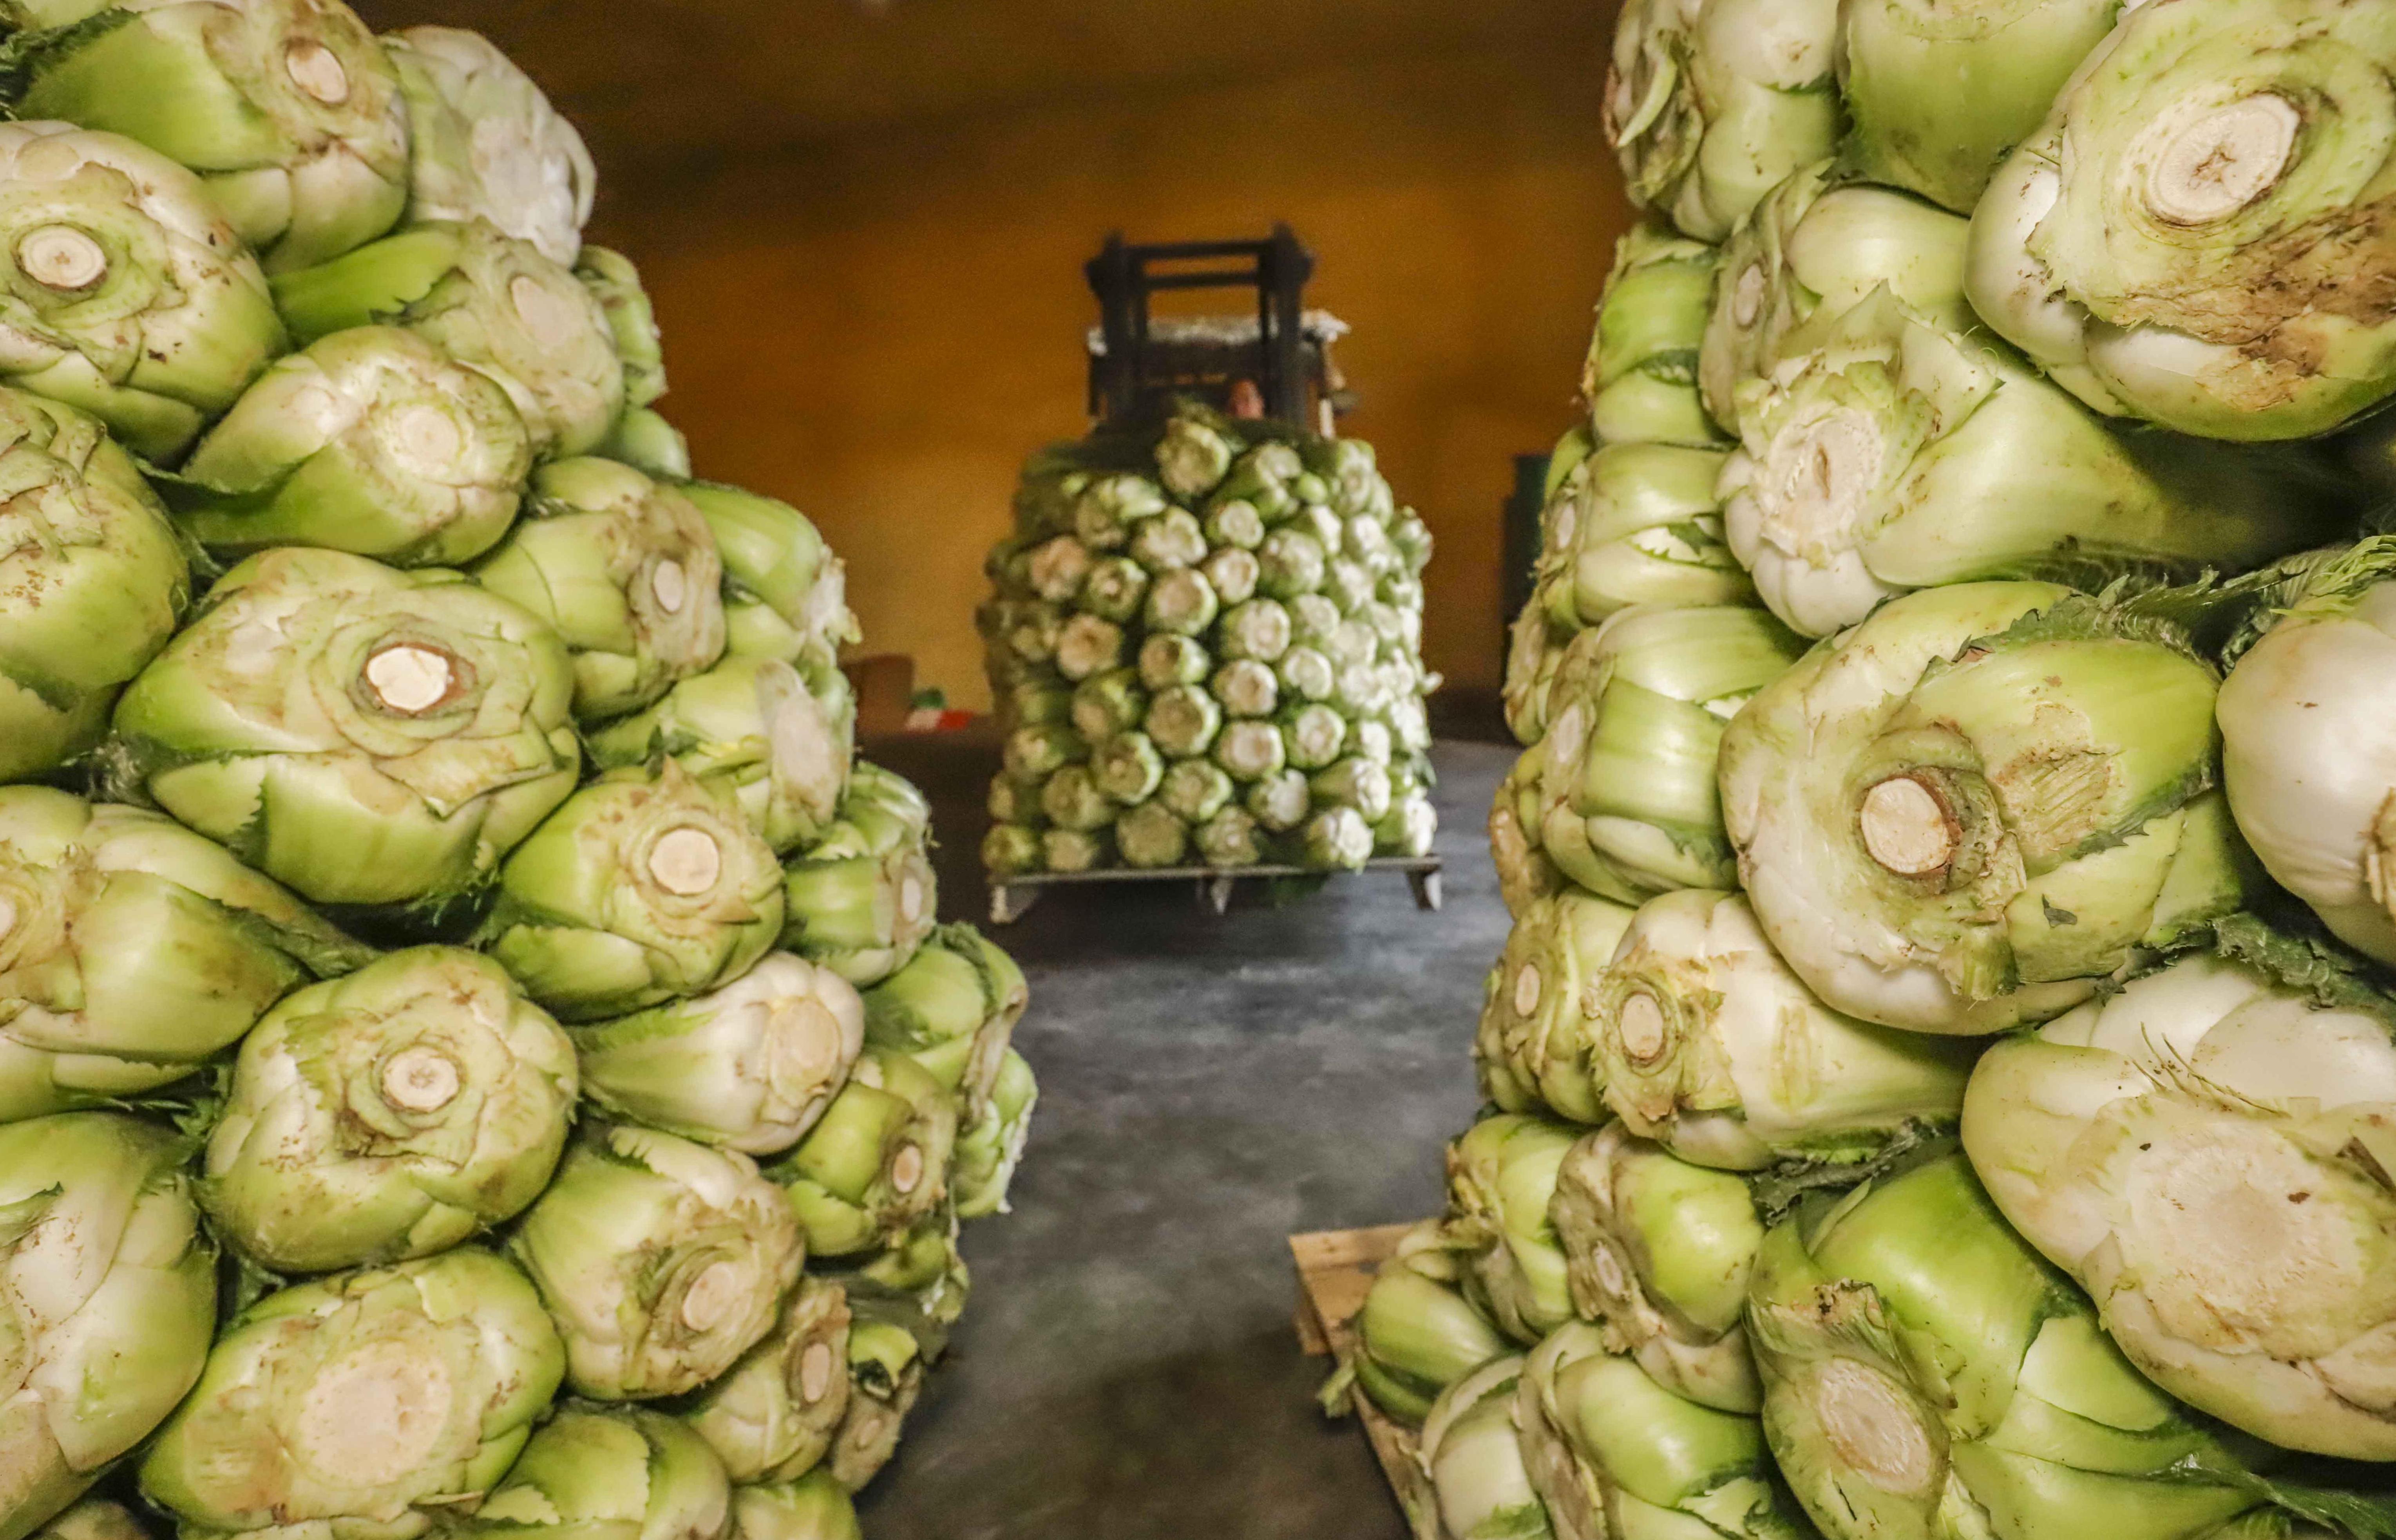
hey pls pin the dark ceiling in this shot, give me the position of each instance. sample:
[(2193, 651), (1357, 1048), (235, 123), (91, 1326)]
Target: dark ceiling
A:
[(664, 81)]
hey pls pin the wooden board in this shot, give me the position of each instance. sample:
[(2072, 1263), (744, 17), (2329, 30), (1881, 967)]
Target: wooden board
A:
[(1335, 1271)]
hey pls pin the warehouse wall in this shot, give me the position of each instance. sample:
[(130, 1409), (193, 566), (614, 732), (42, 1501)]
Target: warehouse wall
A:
[(878, 326)]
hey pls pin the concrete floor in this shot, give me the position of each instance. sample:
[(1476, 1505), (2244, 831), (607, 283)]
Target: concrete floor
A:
[(1127, 1368)]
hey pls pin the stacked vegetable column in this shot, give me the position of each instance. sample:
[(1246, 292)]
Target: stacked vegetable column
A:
[(1205, 641), (1939, 1076), (475, 1048)]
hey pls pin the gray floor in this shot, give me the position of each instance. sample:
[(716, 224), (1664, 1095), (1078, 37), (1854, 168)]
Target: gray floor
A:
[(1127, 1367)]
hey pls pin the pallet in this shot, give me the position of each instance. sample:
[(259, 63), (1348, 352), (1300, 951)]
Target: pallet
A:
[(1013, 898), (1334, 1271)]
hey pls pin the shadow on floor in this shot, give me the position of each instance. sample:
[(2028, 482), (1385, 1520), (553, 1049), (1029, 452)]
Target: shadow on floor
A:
[(1209, 1086)]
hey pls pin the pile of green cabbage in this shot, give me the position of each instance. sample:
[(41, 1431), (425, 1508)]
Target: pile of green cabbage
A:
[(1939, 1081), (1206, 642), (477, 1049)]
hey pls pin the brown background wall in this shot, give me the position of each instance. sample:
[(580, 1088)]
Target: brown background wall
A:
[(870, 274)]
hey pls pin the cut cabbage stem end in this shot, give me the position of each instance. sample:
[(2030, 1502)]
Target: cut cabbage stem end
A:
[(63, 257), (318, 71), (1640, 1026), (421, 1080), (1907, 829), (670, 585), (815, 1369), (713, 1295), (686, 862), (1874, 1427), (377, 1415), (413, 678), (2225, 161)]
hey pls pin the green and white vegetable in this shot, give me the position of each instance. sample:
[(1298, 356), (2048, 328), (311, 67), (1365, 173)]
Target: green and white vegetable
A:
[(816, 1506), (1151, 835), (132, 952), (1195, 790), (1658, 1253), (650, 445), (365, 736), (1628, 799), (1338, 838), (1642, 361), (1524, 873), (990, 1146), (127, 293), (491, 301), (1635, 523), (1231, 839), (1975, 808), (371, 441), (1613, 1451), (613, 1471), (1707, 1043), (1710, 102), (782, 738), (1106, 704), (637, 890), (1818, 246), (107, 1301), (1923, 1371), (1281, 802), (487, 145), (1533, 1042), (785, 593), (1501, 1177), (615, 282), (918, 1282), (1074, 850), (1469, 1450), (1897, 454), (885, 1373), (662, 1261), (2306, 758), (387, 1115), (287, 109), (1416, 1334), (953, 1010), (2199, 1151), (749, 1066), (1937, 95), (772, 1415), (1072, 799), (371, 1402), (92, 584), (626, 571), (1126, 769), (2197, 235), (876, 1163), (860, 902)]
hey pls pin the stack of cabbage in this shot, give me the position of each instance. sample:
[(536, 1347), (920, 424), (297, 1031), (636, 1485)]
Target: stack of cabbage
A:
[(1206, 648), (1941, 1075), (475, 1053)]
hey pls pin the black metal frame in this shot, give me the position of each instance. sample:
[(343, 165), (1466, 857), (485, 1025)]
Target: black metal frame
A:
[(1124, 385)]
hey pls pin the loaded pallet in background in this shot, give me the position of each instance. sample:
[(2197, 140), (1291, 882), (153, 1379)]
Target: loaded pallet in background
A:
[(1205, 633)]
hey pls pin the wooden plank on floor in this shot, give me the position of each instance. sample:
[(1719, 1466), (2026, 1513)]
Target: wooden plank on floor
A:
[(1335, 1272)]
